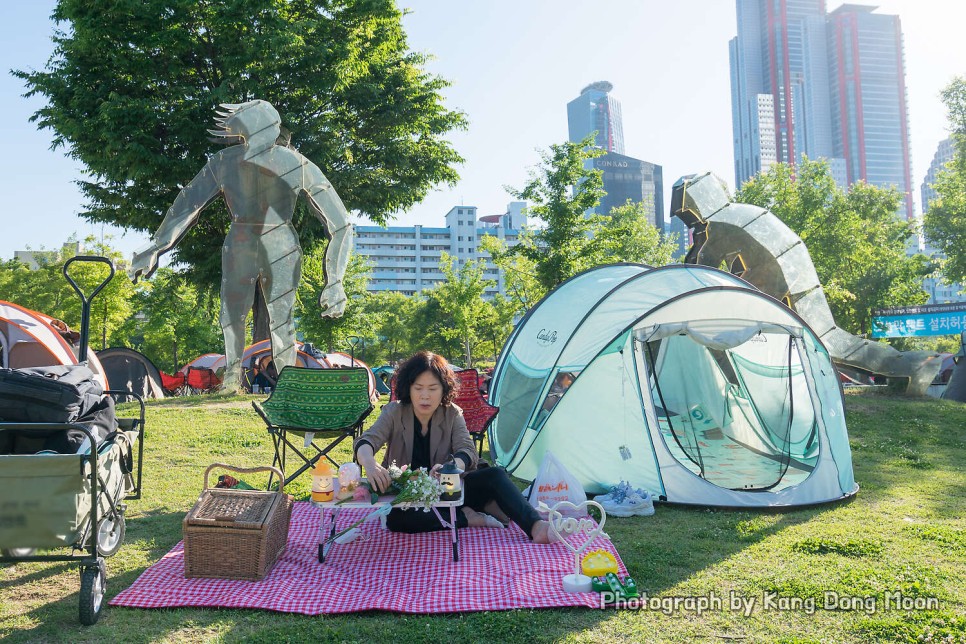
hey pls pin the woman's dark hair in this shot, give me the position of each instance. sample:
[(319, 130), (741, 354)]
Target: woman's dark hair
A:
[(417, 365)]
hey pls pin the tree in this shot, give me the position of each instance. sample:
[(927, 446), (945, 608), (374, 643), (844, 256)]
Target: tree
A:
[(333, 333), (945, 220), (175, 323), (432, 328), (496, 322), (47, 291), (626, 235), (132, 87), (523, 289), (394, 314), (561, 193), (461, 298), (856, 240)]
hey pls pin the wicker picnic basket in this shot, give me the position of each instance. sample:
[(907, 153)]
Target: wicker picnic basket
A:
[(236, 534)]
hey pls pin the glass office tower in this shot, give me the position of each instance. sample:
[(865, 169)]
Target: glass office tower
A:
[(595, 110), (835, 88)]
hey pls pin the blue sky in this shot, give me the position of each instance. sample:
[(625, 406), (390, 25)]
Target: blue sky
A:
[(514, 66)]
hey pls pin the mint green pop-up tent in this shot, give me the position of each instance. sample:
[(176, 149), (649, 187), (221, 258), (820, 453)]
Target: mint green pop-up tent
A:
[(684, 380)]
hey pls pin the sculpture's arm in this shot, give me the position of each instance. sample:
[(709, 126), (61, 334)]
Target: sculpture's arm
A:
[(181, 216), (328, 207)]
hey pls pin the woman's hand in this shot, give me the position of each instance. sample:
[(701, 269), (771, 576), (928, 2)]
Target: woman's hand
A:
[(378, 476)]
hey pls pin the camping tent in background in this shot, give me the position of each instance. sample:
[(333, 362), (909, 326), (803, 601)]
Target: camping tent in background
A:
[(383, 375), (131, 370), (684, 380), (337, 359), (28, 339), (204, 361), (311, 358), (255, 352)]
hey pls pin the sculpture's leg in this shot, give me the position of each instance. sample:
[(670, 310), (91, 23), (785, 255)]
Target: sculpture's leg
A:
[(283, 257), (238, 276)]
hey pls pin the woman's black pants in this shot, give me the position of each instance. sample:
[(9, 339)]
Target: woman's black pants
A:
[(479, 488)]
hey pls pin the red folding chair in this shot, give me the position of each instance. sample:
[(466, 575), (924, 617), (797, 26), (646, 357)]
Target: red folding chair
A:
[(173, 385), (477, 412), (202, 380)]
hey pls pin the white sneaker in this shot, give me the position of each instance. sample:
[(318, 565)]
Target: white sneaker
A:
[(634, 503)]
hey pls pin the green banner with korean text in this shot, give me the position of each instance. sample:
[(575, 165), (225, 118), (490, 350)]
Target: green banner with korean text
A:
[(917, 321)]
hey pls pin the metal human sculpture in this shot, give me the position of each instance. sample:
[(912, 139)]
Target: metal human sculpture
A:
[(261, 178), (755, 245)]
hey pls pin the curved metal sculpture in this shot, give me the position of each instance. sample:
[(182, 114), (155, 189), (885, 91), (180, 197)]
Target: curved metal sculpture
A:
[(956, 389), (261, 178), (755, 245)]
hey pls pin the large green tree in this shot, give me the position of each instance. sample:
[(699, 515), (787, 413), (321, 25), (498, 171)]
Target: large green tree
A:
[(626, 235), (561, 191), (523, 289), (45, 289), (133, 84), (945, 220), (460, 297), (394, 314), (856, 239), (332, 334)]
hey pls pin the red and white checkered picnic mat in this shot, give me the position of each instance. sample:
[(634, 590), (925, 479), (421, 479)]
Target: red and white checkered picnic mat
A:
[(381, 570)]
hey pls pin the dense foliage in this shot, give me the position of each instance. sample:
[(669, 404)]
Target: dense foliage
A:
[(133, 84), (945, 219), (856, 239)]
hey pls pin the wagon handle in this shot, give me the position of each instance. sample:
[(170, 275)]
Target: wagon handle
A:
[(247, 470), (85, 300)]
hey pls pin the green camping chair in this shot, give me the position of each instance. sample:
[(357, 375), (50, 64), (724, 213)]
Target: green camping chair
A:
[(313, 404)]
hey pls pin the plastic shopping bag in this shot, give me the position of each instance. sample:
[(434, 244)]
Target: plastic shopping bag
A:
[(554, 483)]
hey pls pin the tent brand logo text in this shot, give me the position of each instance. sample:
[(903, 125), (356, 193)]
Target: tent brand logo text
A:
[(547, 487), (546, 337)]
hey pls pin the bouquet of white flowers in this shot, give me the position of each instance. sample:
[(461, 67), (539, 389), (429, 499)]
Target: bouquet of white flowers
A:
[(415, 488)]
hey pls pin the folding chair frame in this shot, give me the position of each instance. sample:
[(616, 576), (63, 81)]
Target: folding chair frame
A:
[(281, 442)]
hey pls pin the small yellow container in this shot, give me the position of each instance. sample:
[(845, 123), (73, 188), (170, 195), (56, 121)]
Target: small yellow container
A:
[(598, 563)]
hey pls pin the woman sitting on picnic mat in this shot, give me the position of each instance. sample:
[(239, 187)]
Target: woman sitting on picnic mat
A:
[(425, 429)]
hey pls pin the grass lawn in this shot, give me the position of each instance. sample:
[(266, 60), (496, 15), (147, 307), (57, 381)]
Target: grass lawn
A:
[(903, 535)]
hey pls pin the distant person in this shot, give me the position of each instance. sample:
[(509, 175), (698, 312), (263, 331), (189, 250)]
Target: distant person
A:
[(265, 373), (560, 385)]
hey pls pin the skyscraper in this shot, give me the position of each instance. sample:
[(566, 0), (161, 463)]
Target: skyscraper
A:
[(870, 118), (625, 178), (596, 110), (944, 154), (831, 86)]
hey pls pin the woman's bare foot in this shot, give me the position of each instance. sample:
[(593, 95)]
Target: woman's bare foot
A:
[(473, 518), (493, 509), (542, 534), (476, 519)]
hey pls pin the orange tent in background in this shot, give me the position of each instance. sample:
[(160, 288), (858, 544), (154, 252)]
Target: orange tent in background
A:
[(30, 339)]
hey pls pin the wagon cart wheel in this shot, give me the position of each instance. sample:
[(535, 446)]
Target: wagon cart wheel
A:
[(110, 535), (17, 552), (93, 587)]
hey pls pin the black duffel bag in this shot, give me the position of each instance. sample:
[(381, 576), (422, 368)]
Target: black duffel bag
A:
[(55, 394)]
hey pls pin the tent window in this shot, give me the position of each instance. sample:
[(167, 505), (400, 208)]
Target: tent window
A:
[(518, 396)]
